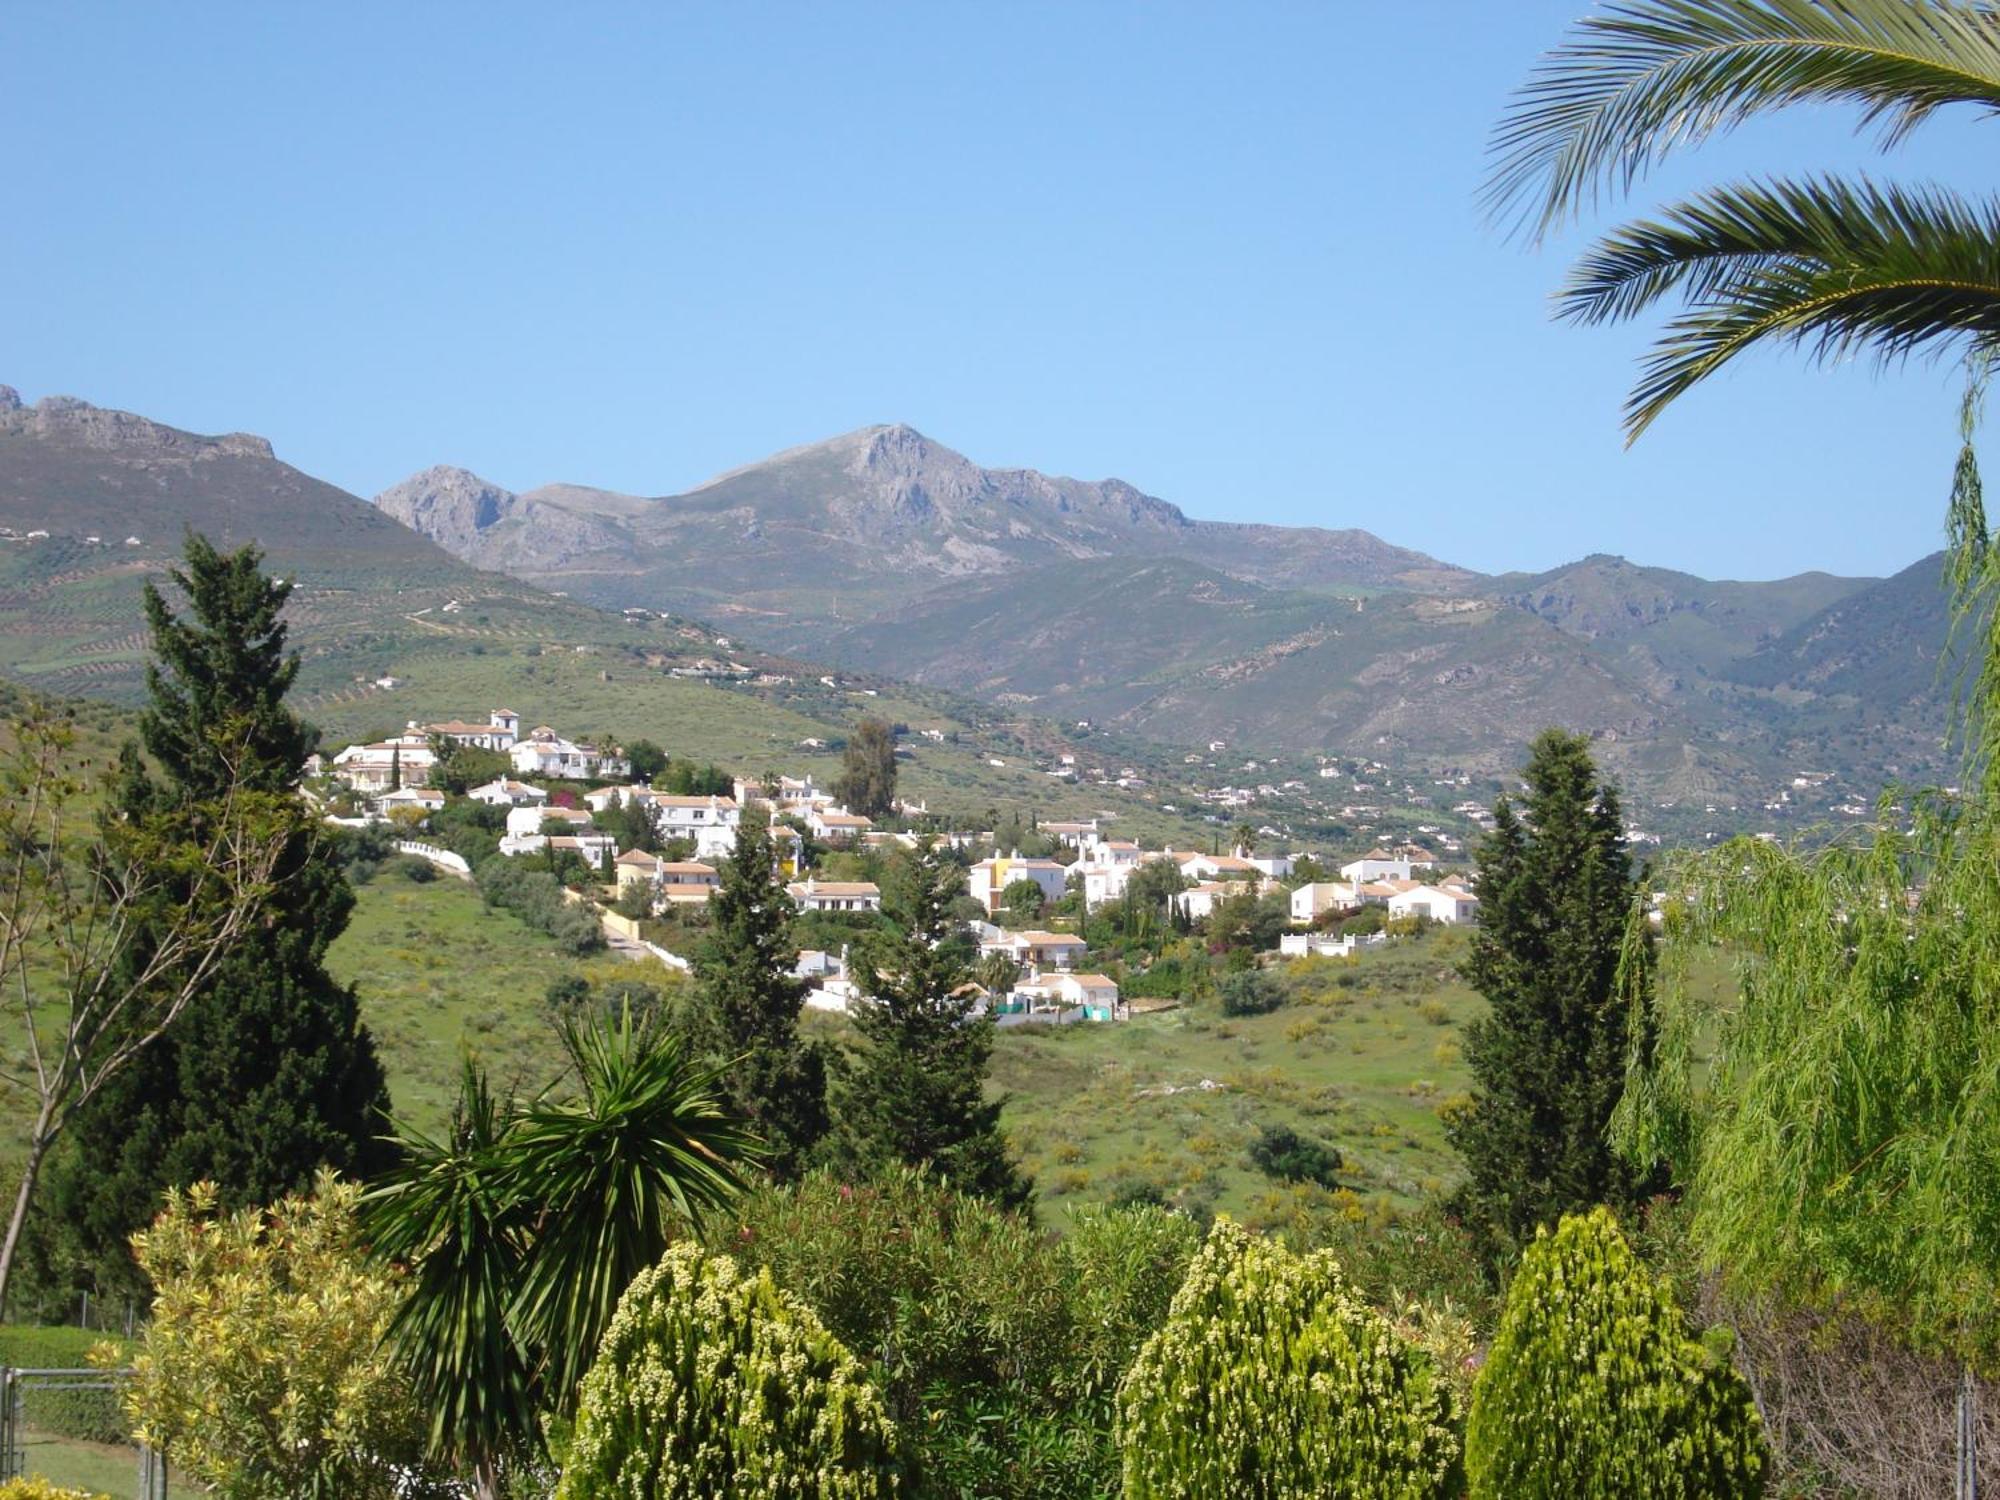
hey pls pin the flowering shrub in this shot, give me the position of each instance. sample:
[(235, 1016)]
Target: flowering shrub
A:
[(37, 1488), (1272, 1378), (263, 1373), (713, 1384), (1593, 1387)]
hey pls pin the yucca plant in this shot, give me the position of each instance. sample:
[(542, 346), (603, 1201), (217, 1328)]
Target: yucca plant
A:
[(464, 1238), (1836, 267), (612, 1175)]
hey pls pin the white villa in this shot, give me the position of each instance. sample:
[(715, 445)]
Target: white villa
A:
[(1321, 896), (545, 753), (991, 876), (1034, 950), (1380, 864), (507, 792), (501, 729), (832, 826), (373, 768), (710, 821), (1450, 904), (1060, 998), (836, 895)]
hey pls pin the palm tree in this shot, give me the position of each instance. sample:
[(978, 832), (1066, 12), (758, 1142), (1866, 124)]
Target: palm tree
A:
[(1833, 266), (444, 1215), (613, 1175)]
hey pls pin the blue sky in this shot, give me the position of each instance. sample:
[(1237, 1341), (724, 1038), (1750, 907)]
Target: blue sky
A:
[(1229, 253)]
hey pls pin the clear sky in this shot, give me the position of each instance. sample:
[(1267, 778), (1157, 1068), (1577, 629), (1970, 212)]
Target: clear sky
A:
[(1228, 252)]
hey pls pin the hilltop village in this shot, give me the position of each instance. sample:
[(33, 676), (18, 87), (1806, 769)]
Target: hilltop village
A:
[(1071, 921)]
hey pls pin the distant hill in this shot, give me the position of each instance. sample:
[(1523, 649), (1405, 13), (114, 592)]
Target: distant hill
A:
[(845, 529), (94, 502)]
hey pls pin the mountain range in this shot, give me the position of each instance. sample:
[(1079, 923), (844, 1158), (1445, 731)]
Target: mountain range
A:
[(1090, 599), (885, 551)]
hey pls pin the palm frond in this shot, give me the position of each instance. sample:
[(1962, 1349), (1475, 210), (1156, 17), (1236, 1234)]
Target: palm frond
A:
[(1641, 78), (1838, 267)]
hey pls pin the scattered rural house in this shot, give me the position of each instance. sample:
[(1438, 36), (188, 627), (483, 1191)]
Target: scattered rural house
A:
[(1447, 904), (546, 753), (836, 895), (991, 876), (501, 729), (509, 793)]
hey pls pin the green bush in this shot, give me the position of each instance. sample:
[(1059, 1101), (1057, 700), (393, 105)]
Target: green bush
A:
[(37, 1488), (998, 1348), (1593, 1386), (84, 1415), (1283, 1153), (713, 1384), (1272, 1378), (1251, 993)]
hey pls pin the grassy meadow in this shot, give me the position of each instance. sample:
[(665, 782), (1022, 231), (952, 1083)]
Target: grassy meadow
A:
[(1360, 1057)]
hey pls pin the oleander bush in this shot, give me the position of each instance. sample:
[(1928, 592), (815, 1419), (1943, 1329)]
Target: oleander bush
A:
[(1593, 1385), (712, 1384), (34, 1487), (1272, 1378)]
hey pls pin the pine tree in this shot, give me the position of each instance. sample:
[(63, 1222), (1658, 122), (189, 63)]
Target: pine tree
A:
[(916, 1091), (751, 1001), (1556, 889), (268, 1074)]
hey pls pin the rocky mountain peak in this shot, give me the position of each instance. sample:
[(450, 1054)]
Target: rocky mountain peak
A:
[(450, 505), (73, 419)]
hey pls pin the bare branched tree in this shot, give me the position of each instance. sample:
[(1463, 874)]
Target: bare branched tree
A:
[(109, 926)]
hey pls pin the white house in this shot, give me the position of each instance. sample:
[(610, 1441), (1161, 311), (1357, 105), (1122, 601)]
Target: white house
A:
[(373, 768), (1200, 901), (1380, 864), (688, 882), (1075, 835), (991, 876), (1447, 904), (524, 827), (710, 821), (594, 848), (832, 826), (1271, 866), (1061, 997), (1310, 901), (836, 895), (545, 753), (1034, 950), (1218, 867), (501, 729), (636, 867), (421, 797), (507, 792)]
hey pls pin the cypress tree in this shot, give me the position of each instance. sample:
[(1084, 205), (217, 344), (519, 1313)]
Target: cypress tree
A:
[(867, 780), (269, 1074), (1556, 889), (751, 1004), (915, 1093)]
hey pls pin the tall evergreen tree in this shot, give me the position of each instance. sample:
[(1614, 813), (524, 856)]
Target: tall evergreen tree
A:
[(1556, 888), (773, 1078), (867, 780), (916, 1091), (268, 1074)]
